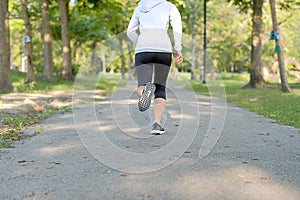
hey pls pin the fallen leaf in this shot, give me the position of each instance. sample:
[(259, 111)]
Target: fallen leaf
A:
[(266, 134), (124, 175), (55, 163), (173, 158), (156, 145), (253, 99), (145, 195)]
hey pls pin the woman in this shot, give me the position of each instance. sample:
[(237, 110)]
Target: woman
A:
[(153, 53)]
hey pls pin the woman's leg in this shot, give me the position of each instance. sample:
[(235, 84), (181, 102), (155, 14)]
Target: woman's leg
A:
[(144, 71), (161, 72), (139, 90), (159, 109)]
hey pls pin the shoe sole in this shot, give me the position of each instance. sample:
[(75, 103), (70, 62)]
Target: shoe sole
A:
[(145, 99), (157, 132)]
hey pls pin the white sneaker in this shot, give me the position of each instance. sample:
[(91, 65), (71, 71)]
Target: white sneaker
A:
[(145, 99)]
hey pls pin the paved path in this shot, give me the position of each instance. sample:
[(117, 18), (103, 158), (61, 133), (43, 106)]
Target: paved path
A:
[(254, 158)]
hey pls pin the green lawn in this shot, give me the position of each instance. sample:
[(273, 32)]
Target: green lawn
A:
[(107, 83), (13, 124), (269, 102)]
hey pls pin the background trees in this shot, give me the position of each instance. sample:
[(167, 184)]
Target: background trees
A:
[(283, 77), (27, 60), (256, 79), (5, 80), (65, 36), (64, 33), (48, 59)]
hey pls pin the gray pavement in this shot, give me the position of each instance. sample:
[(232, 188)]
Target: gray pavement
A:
[(103, 150)]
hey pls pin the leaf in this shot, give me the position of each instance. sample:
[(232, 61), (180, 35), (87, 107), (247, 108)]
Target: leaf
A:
[(145, 195), (124, 175), (156, 145)]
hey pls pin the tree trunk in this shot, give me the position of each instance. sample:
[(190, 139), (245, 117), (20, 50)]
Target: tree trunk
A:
[(5, 80), (193, 58), (103, 59), (93, 59), (123, 62), (193, 25), (65, 35), (283, 77), (256, 79), (27, 59), (48, 60), (130, 62)]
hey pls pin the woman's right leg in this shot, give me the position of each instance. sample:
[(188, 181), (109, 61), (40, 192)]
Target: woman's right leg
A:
[(144, 71), (161, 72)]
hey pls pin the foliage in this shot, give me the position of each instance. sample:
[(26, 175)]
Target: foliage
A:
[(269, 102), (231, 52), (93, 22)]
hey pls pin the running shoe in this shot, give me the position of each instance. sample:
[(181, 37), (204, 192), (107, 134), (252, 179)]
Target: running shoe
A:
[(157, 129), (145, 99)]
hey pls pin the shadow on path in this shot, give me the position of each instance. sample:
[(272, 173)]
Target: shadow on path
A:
[(254, 158)]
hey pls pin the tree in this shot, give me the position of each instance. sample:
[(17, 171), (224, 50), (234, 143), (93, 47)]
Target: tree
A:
[(28, 59), (229, 41), (5, 80), (191, 17), (256, 79), (48, 60), (284, 82), (65, 35)]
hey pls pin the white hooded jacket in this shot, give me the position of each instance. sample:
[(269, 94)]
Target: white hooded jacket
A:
[(152, 18)]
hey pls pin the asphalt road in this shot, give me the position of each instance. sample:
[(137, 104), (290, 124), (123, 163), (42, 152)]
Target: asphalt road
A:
[(103, 150)]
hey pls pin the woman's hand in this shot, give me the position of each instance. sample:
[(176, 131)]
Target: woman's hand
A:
[(178, 57)]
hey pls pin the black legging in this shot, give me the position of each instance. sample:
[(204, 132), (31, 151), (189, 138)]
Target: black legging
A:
[(158, 62)]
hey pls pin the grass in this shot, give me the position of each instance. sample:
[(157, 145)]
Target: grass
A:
[(13, 125), (269, 102), (107, 83)]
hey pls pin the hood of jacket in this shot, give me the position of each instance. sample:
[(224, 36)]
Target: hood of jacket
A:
[(147, 5)]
